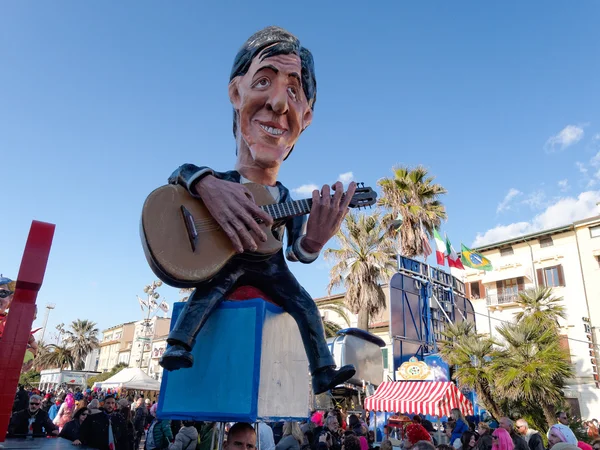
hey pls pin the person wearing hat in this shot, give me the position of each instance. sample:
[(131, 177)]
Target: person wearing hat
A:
[(7, 291)]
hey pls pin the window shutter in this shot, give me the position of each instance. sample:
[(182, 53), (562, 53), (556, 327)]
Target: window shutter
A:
[(520, 283), (481, 289), (499, 287), (540, 277), (561, 275)]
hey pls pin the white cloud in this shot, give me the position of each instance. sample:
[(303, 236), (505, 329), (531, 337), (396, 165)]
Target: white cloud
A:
[(569, 135), (563, 212), (595, 161), (505, 204), (536, 200), (563, 185), (305, 189), (581, 167), (346, 178)]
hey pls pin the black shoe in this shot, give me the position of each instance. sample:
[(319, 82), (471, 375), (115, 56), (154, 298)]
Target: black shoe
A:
[(327, 378), (176, 357)]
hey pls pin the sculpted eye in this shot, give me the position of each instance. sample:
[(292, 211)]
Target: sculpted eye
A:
[(262, 83), (293, 92)]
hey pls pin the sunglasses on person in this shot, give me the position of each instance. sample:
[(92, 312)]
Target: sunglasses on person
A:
[(34, 403), (4, 293)]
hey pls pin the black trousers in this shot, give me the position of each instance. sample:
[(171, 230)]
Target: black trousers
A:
[(273, 277)]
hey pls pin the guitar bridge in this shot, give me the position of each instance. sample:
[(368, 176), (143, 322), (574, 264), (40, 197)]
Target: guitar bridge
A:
[(190, 226)]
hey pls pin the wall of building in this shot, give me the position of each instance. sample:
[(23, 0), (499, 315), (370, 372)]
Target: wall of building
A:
[(572, 250)]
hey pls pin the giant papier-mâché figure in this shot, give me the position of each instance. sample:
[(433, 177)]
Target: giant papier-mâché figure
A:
[(273, 91)]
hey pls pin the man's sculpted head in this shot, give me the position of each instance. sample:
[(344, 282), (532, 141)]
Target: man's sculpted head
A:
[(273, 91)]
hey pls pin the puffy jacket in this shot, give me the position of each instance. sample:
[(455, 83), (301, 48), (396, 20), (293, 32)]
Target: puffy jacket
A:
[(459, 429), (186, 439), (162, 434)]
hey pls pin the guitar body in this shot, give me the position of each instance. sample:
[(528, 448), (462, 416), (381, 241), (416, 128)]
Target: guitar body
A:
[(182, 242)]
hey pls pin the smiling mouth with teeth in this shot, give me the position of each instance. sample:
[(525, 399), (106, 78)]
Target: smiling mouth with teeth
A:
[(272, 131)]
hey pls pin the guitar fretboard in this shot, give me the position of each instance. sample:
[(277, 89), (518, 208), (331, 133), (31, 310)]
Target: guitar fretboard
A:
[(288, 209)]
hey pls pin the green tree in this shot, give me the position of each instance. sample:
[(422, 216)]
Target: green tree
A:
[(30, 379), (412, 194), (106, 375), (82, 339), (337, 307), (471, 353), (42, 350), (58, 357), (531, 366), (366, 259), (541, 306)]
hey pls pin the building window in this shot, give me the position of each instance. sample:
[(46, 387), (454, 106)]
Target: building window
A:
[(595, 231), (384, 353), (475, 293), (546, 242), (507, 251), (551, 276)]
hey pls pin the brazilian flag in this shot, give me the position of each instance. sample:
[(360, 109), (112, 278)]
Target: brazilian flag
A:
[(474, 260)]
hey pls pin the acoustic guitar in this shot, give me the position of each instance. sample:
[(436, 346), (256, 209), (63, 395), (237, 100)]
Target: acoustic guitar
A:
[(184, 245)]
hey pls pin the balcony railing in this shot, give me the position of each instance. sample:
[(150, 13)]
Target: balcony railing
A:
[(502, 299)]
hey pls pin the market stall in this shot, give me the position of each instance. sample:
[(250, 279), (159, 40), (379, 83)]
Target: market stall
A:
[(131, 378)]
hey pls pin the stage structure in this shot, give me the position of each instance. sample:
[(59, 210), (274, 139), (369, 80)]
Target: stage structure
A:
[(423, 300)]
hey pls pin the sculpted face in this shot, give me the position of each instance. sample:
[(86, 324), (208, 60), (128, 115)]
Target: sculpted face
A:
[(272, 108)]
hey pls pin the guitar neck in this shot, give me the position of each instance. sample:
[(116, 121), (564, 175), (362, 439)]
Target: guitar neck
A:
[(288, 209)]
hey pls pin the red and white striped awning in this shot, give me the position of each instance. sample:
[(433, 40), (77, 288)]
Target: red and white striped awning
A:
[(435, 398)]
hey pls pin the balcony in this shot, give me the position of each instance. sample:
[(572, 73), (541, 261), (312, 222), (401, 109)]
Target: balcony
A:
[(505, 299)]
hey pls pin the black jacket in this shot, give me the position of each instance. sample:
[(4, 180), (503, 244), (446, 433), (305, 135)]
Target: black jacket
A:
[(19, 423), (71, 430), (21, 400), (187, 176), (536, 442), (140, 418), (485, 442), (519, 442), (94, 431)]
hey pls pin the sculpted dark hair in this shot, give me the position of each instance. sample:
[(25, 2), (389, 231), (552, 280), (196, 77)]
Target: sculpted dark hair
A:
[(280, 42)]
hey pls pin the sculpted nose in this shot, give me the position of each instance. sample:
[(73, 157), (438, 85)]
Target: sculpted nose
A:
[(278, 100)]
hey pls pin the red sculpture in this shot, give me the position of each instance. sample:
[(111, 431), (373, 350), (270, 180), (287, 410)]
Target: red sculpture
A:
[(22, 310)]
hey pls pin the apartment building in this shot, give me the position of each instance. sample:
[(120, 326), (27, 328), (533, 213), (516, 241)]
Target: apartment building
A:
[(144, 335), (115, 346), (568, 260)]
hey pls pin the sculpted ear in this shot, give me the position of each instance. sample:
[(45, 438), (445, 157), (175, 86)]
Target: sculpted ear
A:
[(234, 93), (307, 118)]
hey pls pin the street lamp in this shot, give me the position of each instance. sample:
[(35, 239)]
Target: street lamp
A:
[(150, 307), (49, 307)]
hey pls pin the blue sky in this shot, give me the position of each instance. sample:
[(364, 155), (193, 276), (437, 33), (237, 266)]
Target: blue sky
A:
[(100, 101)]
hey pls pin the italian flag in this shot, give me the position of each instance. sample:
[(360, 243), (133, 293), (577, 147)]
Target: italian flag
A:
[(440, 247), (453, 258)]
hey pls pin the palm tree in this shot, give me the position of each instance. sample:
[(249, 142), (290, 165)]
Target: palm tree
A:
[(58, 356), (471, 353), (42, 350), (541, 306), (331, 327), (60, 328), (532, 366), (82, 339), (366, 259), (413, 195)]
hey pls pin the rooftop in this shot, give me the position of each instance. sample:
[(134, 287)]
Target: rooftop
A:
[(537, 234)]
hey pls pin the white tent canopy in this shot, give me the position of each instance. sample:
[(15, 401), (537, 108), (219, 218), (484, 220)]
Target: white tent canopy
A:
[(130, 378)]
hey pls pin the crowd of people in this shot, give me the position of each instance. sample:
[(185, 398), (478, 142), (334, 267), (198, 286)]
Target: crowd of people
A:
[(109, 420)]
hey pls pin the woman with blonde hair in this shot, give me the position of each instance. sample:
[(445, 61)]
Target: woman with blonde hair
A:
[(460, 425), (292, 437)]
